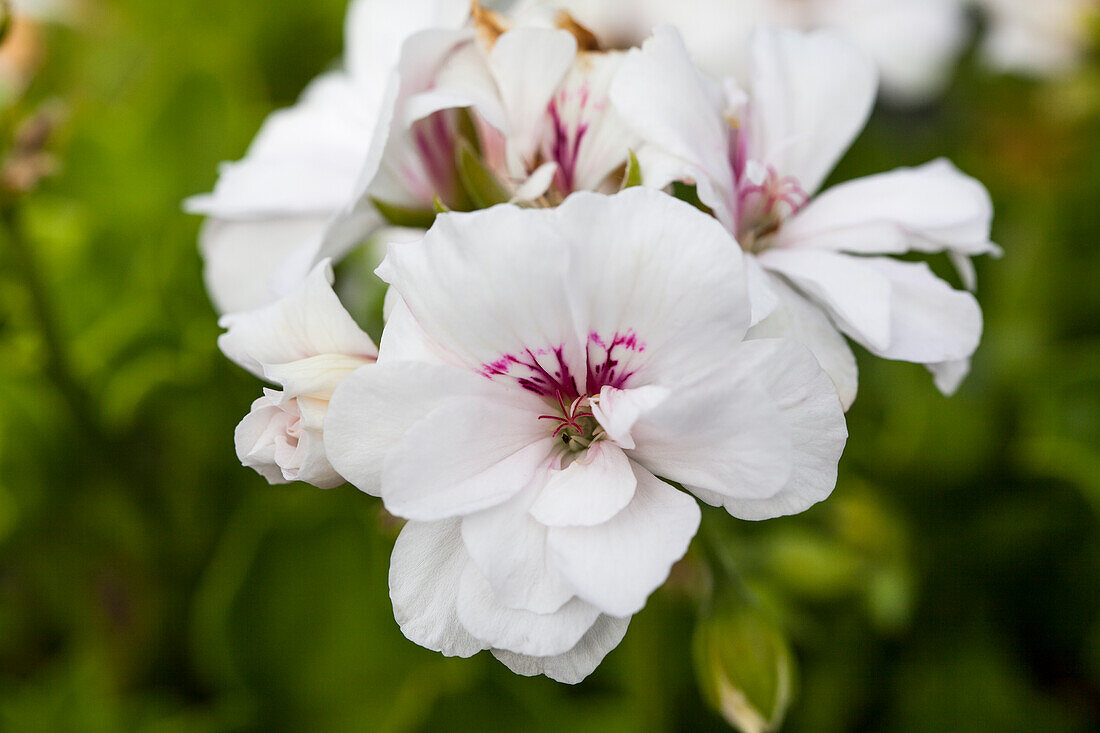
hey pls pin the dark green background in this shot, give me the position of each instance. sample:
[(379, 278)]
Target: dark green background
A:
[(148, 582)]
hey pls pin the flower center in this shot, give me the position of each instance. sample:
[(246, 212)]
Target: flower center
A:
[(569, 392), (765, 201), (574, 423)]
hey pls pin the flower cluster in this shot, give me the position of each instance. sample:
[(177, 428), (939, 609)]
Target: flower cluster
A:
[(623, 293)]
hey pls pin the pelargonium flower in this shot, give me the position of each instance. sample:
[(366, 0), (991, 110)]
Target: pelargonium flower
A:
[(528, 101), (306, 343), (286, 205), (1039, 39), (758, 153), (544, 375), (914, 43)]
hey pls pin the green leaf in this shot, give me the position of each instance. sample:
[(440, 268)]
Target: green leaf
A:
[(402, 216), (633, 175), (477, 180)]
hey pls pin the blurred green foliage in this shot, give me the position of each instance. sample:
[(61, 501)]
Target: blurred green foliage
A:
[(148, 582)]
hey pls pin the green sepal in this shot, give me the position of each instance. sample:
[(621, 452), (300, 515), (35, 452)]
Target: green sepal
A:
[(478, 181), (439, 206), (633, 175), (402, 216), (690, 194)]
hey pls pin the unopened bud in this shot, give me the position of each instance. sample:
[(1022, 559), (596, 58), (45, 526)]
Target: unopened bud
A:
[(744, 666)]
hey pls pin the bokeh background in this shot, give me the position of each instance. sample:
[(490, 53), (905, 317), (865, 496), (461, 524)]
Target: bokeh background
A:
[(149, 583)]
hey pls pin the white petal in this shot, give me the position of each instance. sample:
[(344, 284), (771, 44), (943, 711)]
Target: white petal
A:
[(577, 663), (616, 565), (618, 409), (814, 419), (590, 490), (856, 295), (403, 339), (468, 454), (811, 95), (376, 30), (528, 65), (537, 184), (240, 257), (523, 632), (374, 407), (509, 548), (930, 321), (587, 126), (675, 108), (762, 290), (928, 209), (645, 263), (723, 433), (949, 375), (255, 438), (801, 320), (308, 322), (303, 162), (425, 570), (489, 285), (341, 235), (313, 466), (315, 376)]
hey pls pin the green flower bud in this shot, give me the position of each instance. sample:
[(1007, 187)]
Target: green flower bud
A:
[(744, 666)]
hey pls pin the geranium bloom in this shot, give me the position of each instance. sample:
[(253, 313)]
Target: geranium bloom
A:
[(1041, 39), (914, 43), (285, 206), (542, 374), (531, 102), (758, 153), (306, 343)]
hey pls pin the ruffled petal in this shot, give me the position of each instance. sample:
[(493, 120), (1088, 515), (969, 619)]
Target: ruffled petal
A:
[(801, 320), (425, 570), (814, 420), (577, 663), (308, 322), (590, 490), (616, 565), (509, 548), (811, 95), (522, 632)]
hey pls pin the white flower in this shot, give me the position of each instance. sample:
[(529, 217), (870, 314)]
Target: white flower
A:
[(914, 43), (758, 154), (285, 206), (531, 100), (1038, 38), (541, 368), (307, 344)]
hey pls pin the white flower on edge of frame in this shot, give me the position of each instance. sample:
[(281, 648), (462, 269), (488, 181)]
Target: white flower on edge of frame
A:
[(759, 151)]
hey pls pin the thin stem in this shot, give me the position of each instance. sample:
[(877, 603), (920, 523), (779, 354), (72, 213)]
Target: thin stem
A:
[(58, 367)]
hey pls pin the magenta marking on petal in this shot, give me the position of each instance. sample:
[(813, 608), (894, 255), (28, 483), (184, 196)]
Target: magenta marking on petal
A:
[(607, 363), (565, 147)]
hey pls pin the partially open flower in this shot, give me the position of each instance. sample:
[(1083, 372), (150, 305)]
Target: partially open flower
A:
[(526, 104), (306, 343), (543, 377), (758, 150)]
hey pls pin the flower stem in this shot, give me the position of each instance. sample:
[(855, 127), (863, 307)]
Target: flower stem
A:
[(57, 367)]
